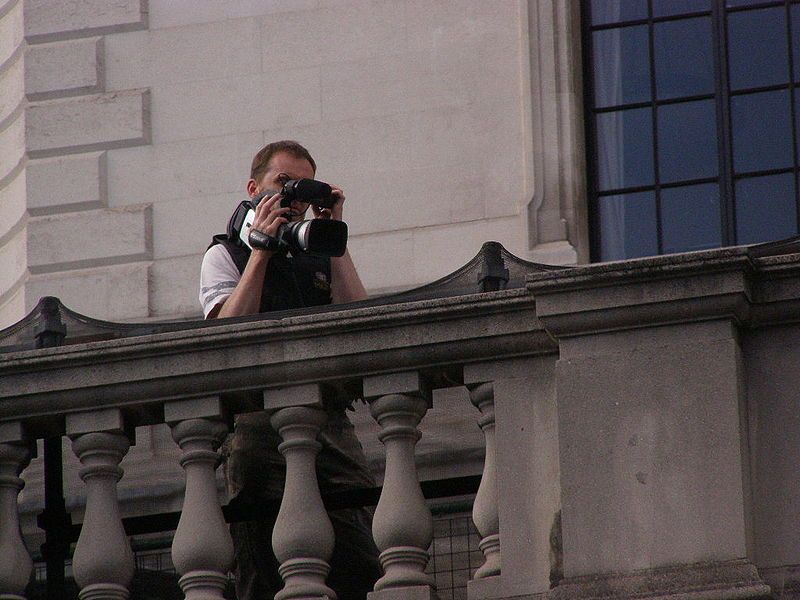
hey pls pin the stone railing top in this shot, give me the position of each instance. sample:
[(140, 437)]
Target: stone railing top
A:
[(754, 286), (137, 368), (51, 323)]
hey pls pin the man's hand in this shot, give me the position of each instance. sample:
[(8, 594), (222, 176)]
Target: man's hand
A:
[(269, 217), (334, 212)]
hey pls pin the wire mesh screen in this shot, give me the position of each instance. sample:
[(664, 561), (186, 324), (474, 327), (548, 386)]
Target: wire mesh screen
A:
[(455, 555)]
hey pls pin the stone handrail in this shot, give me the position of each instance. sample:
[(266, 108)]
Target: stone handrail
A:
[(197, 379), (609, 392)]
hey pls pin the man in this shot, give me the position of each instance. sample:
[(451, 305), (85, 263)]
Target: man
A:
[(235, 281)]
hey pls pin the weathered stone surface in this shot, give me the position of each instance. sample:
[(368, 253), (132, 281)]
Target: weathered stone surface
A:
[(182, 170), (417, 592), (770, 358), (306, 37), (54, 19), (175, 287), (13, 257), (97, 420), (12, 204), (171, 13), (295, 395), (732, 579), (556, 186), (212, 108), (12, 84), (12, 306), (409, 382), (177, 233), (12, 146), (230, 49), (115, 292), (336, 349), (643, 463), (64, 68), (102, 121), (89, 238), (784, 581), (696, 285), (527, 425), (193, 408), (66, 183), (11, 30)]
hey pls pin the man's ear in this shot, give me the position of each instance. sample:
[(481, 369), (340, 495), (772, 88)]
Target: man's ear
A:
[(252, 187)]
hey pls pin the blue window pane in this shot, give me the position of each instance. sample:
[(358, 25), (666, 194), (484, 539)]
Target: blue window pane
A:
[(757, 48), (683, 58), (625, 149), (615, 11), (762, 131), (796, 39), (765, 208), (690, 218), (621, 66), (664, 8), (687, 141), (628, 226)]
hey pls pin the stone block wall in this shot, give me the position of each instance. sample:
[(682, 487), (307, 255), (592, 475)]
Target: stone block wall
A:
[(13, 235), (60, 235), (151, 110)]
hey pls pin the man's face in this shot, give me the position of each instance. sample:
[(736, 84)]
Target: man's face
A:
[(282, 168)]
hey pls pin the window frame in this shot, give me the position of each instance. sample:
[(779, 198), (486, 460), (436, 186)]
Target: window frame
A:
[(722, 96)]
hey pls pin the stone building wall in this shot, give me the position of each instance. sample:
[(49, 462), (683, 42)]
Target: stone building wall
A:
[(446, 123)]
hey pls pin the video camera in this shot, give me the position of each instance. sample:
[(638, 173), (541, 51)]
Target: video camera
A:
[(322, 237)]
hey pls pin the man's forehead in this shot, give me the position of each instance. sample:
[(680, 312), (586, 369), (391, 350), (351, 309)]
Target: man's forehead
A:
[(285, 161)]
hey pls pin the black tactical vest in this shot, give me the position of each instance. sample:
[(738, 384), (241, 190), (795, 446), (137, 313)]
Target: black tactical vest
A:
[(290, 281)]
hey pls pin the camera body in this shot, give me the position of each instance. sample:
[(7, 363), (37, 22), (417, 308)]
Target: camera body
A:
[(321, 237), (310, 191)]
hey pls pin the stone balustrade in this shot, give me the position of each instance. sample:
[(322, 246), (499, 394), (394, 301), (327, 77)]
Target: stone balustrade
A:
[(636, 400)]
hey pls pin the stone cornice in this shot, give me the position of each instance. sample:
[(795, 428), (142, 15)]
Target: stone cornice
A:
[(139, 373), (718, 284)]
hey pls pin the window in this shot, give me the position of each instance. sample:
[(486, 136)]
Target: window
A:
[(693, 114)]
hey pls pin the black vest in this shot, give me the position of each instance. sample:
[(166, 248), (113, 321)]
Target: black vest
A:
[(290, 282)]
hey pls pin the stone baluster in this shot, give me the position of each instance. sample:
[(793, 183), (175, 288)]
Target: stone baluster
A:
[(103, 561), (202, 549), (303, 536), (485, 510), (15, 562), (402, 524)]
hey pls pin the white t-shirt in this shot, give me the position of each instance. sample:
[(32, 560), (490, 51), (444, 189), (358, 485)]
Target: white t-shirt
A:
[(218, 277)]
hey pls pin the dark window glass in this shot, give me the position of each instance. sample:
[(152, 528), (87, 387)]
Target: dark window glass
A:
[(625, 148), (796, 39), (614, 11), (665, 8), (758, 48), (765, 208), (726, 115), (684, 63), (687, 141), (797, 123), (690, 218), (628, 226), (621, 66), (762, 132), (735, 3)]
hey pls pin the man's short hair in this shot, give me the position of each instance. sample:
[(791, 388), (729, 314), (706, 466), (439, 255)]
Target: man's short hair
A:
[(261, 159)]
